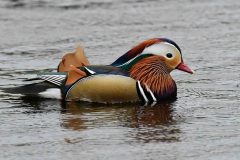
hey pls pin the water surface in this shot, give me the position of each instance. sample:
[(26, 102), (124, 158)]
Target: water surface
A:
[(203, 123)]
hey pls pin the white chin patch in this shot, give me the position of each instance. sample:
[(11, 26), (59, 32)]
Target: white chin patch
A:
[(53, 93)]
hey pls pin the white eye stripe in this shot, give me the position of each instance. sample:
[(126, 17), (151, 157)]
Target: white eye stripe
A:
[(161, 48)]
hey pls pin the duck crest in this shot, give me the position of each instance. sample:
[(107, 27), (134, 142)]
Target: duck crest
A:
[(135, 51), (153, 73)]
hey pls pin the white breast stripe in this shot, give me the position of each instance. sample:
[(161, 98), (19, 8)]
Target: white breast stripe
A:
[(149, 90), (90, 71), (142, 92), (153, 104)]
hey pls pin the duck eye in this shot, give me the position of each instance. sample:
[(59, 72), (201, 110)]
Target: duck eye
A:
[(169, 55)]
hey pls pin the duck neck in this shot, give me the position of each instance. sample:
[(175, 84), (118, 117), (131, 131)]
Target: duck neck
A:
[(152, 72)]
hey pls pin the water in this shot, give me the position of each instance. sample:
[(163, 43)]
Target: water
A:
[(203, 123)]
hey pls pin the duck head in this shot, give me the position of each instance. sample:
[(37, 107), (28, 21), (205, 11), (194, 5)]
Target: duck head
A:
[(163, 50), (151, 62)]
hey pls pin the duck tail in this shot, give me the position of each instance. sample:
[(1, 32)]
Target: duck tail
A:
[(56, 78)]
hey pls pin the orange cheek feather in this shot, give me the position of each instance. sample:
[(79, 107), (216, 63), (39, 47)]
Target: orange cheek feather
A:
[(173, 63)]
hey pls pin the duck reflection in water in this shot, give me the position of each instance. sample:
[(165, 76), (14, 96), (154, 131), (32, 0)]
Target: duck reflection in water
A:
[(146, 123), (158, 123)]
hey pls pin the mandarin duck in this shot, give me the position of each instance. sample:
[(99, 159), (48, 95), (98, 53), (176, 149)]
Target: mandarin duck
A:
[(140, 75)]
